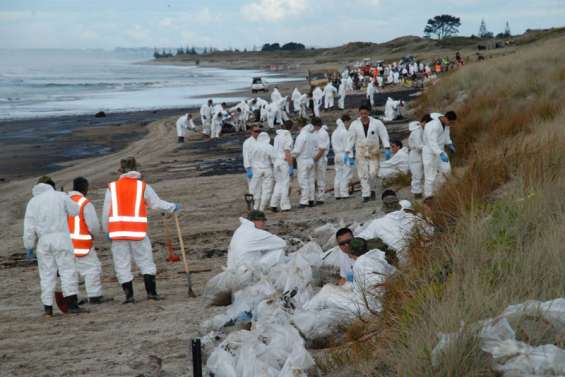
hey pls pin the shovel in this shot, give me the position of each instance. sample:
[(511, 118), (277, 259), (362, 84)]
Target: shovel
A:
[(171, 256), (184, 259)]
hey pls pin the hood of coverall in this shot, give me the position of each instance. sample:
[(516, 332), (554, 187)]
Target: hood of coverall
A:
[(41, 188), (414, 126), (263, 138), (283, 132), (308, 128)]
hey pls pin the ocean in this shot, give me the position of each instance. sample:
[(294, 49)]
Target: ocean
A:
[(49, 83)]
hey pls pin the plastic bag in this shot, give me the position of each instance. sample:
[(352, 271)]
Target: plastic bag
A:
[(218, 289)]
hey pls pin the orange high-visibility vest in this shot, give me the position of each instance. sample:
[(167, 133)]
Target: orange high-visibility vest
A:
[(127, 219), (80, 234)]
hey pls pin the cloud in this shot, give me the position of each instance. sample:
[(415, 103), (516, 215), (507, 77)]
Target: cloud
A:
[(273, 10)]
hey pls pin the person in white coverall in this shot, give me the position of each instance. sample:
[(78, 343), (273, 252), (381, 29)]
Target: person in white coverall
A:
[(304, 101), (206, 113), (342, 165), (433, 153), (415, 143), (341, 95), (317, 96), (217, 122), (124, 222), (321, 158), (46, 231), (444, 167), (240, 115), (392, 109), (365, 135), (275, 95), (303, 152), (184, 123), (371, 90), (296, 100), (283, 170), (262, 160), (329, 95), (398, 164), (252, 245), (87, 263), (247, 147)]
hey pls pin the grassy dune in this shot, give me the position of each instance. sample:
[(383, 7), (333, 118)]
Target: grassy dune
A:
[(501, 220)]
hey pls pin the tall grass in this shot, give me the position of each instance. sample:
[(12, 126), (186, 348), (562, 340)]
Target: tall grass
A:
[(501, 223)]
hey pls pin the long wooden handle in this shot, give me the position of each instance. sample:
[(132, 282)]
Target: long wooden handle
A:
[(181, 242)]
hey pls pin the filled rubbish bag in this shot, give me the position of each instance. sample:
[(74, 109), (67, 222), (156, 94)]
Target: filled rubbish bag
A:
[(325, 235), (510, 356), (225, 283)]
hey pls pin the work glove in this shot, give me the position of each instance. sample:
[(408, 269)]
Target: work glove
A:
[(349, 278), (443, 157), (107, 236), (290, 171), (178, 207), (351, 161), (29, 253), (249, 173), (388, 154), (451, 147)]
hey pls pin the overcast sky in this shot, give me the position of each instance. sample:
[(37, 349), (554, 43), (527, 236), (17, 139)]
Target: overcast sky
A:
[(244, 23)]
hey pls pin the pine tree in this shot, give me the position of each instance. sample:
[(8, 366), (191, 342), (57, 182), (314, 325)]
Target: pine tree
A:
[(483, 29), (507, 32)]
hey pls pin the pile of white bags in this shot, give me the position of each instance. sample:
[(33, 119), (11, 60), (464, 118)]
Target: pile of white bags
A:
[(512, 357)]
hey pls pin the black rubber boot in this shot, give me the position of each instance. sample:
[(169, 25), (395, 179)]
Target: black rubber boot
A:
[(151, 287), (311, 203), (99, 299), (373, 195), (48, 309), (128, 290), (366, 199), (72, 302)]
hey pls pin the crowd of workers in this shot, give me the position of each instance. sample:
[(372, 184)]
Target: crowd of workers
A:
[(59, 228)]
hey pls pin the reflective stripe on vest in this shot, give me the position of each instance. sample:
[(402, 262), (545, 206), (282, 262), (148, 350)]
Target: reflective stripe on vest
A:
[(127, 219), (80, 234)]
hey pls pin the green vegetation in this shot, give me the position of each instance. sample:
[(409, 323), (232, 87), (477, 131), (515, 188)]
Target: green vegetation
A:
[(500, 221)]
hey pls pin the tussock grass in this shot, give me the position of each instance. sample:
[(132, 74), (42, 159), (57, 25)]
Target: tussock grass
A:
[(500, 237)]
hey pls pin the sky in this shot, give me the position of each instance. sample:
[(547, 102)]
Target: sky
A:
[(247, 23)]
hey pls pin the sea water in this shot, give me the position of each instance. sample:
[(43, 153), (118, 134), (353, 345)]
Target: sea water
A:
[(46, 83)]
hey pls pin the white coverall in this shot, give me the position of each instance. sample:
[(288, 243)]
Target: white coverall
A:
[(342, 169), (275, 95), (341, 93), (329, 94), (304, 99), (254, 247), (415, 143), (242, 117), (444, 167), (392, 110), (206, 118), (321, 166), (283, 144), (123, 251), (349, 83), (47, 231), (88, 266), (184, 124), (396, 165), (304, 150), (248, 145), (433, 141), (262, 159), (317, 96), (367, 151), (371, 93), (296, 100)]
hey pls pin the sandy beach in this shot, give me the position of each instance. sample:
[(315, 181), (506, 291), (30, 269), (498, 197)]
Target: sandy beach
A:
[(206, 177)]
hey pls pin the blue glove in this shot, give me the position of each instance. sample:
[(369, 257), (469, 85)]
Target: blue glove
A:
[(107, 236), (249, 173), (178, 207), (349, 278), (29, 253), (351, 161), (290, 171), (388, 154), (443, 157), (451, 147)]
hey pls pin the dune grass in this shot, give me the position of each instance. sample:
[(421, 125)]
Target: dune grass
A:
[(501, 223)]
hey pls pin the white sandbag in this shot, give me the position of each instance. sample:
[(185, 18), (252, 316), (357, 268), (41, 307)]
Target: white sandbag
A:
[(312, 252), (295, 274), (221, 363), (229, 281), (325, 235), (249, 365), (332, 257), (315, 324)]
